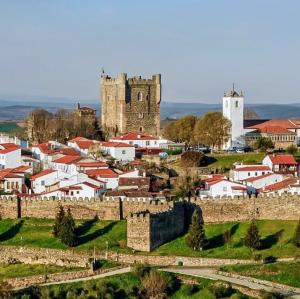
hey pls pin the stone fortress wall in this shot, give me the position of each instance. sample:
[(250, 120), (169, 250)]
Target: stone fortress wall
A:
[(130, 104), (150, 224)]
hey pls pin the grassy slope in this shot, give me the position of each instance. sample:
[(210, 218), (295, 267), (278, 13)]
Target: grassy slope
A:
[(236, 249), (8, 127), (285, 273), (227, 160), (22, 270), (38, 233)]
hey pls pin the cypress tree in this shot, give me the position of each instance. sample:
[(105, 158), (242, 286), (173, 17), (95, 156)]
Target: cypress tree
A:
[(196, 238), (67, 233), (58, 220), (252, 239), (296, 239)]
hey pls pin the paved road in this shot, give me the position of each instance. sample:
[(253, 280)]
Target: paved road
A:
[(110, 273), (243, 281)]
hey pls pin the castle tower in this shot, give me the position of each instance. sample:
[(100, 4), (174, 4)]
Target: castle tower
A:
[(130, 104), (233, 109)]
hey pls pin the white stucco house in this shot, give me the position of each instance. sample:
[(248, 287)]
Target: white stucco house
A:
[(110, 177), (260, 182), (44, 179), (81, 145), (243, 172), (10, 155), (118, 150)]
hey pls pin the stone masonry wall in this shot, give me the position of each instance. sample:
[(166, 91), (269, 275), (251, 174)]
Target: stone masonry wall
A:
[(146, 231)]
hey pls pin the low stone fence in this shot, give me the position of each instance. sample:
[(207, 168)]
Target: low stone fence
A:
[(270, 284), (23, 282)]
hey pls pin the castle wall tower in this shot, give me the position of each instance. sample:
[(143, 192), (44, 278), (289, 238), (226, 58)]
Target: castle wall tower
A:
[(233, 109), (130, 104)]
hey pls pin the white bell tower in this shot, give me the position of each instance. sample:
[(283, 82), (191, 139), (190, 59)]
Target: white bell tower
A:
[(233, 109)]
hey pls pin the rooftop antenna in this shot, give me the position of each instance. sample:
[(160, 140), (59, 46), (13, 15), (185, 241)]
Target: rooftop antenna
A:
[(232, 86), (102, 69)]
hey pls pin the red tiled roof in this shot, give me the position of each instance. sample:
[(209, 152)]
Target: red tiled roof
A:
[(253, 168), (45, 148), (79, 138), (115, 144), (8, 147), (86, 144), (104, 173), (135, 181), (242, 188), (135, 136), (131, 194), (256, 178), (280, 185), (11, 172), (42, 173), (283, 159), (68, 151), (91, 185), (283, 123), (275, 130), (67, 159), (21, 168)]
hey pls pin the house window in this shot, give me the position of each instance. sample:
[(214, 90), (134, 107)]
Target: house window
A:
[(141, 115), (72, 193), (255, 173), (236, 104), (77, 192), (147, 142), (123, 152), (42, 183), (140, 96), (249, 174), (141, 129), (224, 188)]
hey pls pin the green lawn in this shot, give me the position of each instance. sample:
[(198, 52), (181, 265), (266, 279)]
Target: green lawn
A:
[(99, 234), (227, 160), (22, 270), (8, 127), (121, 286), (236, 249), (285, 273), (38, 233)]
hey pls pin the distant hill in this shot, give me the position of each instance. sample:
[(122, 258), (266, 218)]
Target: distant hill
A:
[(13, 109)]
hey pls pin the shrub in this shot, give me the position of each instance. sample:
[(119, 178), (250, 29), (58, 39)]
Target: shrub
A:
[(292, 149), (252, 239), (222, 290), (296, 238), (122, 243), (257, 257), (192, 159), (154, 285), (141, 270), (190, 289), (269, 259)]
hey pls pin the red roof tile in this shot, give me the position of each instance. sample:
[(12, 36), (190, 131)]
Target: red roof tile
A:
[(79, 138), (275, 130), (256, 178), (135, 136), (283, 159), (102, 173), (68, 151), (86, 144), (253, 168), (68, 159), (115, 144), (42, 173), (45, 148), (92, 164), (283, 123), (280, 185), (8, 147), (135, 181)]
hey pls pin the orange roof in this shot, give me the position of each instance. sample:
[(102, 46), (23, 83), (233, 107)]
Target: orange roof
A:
[(283, 123), (102, 173), (283, 159), (280, 185), (8, 147), (253, 168), (135, 136), (85, 144), (21, 168), (256, 178), (68, 151), (45, 148), (275, 130), (67, 159), (242, 188), (79, 138), (42, 173), (115, 144)]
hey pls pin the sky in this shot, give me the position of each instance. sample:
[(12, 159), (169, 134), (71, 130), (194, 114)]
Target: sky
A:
[(57, 48)]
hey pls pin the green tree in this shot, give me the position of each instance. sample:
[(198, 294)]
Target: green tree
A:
[(292, 149), (227, 236), (263, 144), (181, 130), (296, 239), (252, 239), (58, 220), (67, 233), (212, 129), (196, 238)]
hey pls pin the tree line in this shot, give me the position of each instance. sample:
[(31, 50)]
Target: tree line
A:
[(61, 125), (212, 129)]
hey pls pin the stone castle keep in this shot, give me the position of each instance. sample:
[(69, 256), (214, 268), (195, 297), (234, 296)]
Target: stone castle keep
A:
[(150, 224), (130, 104)]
